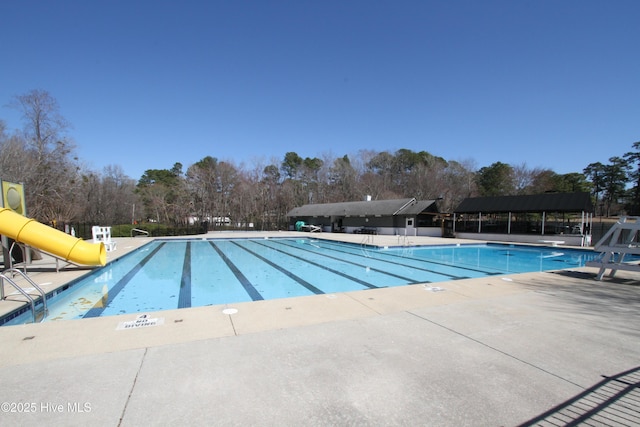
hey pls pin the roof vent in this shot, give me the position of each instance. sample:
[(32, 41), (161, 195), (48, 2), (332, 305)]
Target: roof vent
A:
[(368, 198)]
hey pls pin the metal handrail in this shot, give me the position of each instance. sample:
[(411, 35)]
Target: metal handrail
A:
[(23, 249), (368, 239), (363, 245), (32, 303), (139, 231), (4, 276)]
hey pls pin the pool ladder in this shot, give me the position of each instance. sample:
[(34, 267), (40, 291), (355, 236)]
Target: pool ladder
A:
[(36, 314), (368, 240), (403, 240)]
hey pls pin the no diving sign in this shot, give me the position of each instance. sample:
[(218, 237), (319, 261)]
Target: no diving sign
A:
[(142, 321)]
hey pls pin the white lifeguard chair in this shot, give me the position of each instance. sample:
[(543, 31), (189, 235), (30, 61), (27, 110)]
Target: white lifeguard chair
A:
[(103, 234), (622, 239)]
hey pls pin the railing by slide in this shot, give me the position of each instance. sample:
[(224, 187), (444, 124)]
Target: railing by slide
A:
[(137, 230), (14, 271)]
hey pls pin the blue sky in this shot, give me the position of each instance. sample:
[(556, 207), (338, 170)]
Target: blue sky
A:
[(546, 83)]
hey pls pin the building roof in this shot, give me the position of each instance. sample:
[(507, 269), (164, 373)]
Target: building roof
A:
[(365, 208), (547, 202), (420, 206)]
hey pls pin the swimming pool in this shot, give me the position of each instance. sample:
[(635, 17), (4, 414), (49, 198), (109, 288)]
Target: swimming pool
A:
[(170, 274)]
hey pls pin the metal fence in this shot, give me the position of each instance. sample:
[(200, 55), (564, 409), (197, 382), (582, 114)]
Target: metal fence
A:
[(84, 230)]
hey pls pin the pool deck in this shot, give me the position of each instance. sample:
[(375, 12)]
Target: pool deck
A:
[(497, 351)]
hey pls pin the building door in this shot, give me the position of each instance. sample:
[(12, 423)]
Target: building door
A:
[(410, 228)]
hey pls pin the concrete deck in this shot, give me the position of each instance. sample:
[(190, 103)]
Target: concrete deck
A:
[(492, 351)]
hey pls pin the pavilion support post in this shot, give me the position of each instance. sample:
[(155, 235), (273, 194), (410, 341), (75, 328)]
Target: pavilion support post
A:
[(582, 239), (509, 224), (479, 222), (543, 219)]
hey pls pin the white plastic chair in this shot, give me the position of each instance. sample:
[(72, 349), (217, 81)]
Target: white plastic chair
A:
[(103, 234)]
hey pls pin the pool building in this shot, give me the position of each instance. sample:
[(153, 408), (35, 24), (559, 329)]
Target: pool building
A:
[(407, 216), (549, 218)]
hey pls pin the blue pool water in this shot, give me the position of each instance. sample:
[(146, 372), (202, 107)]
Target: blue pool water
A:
[(169, 274)]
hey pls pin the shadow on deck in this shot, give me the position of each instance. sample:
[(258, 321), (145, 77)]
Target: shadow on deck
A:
[(614, 401)]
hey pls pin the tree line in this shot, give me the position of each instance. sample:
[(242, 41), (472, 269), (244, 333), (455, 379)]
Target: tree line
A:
[(59, 189)]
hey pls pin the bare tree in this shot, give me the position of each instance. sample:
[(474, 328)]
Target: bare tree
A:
[(459, 184), (44, 125), (201, 184), (119, 196), (15, 159), (92, 200), (49, 170), (226, 188), (522, 178)]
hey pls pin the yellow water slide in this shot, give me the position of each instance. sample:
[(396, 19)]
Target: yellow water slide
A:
[(35, 234)]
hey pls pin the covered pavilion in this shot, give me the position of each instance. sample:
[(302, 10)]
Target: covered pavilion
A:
[(549, 217)]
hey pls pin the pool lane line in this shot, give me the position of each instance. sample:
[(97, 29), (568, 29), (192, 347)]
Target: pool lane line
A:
[(184, 298), (289, 274), (446, 275), (410, 280), (246, 284), (339, 273), (96, 310), (377, 251)]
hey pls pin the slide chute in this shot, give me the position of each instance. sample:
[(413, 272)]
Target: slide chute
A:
[(33, 233)]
